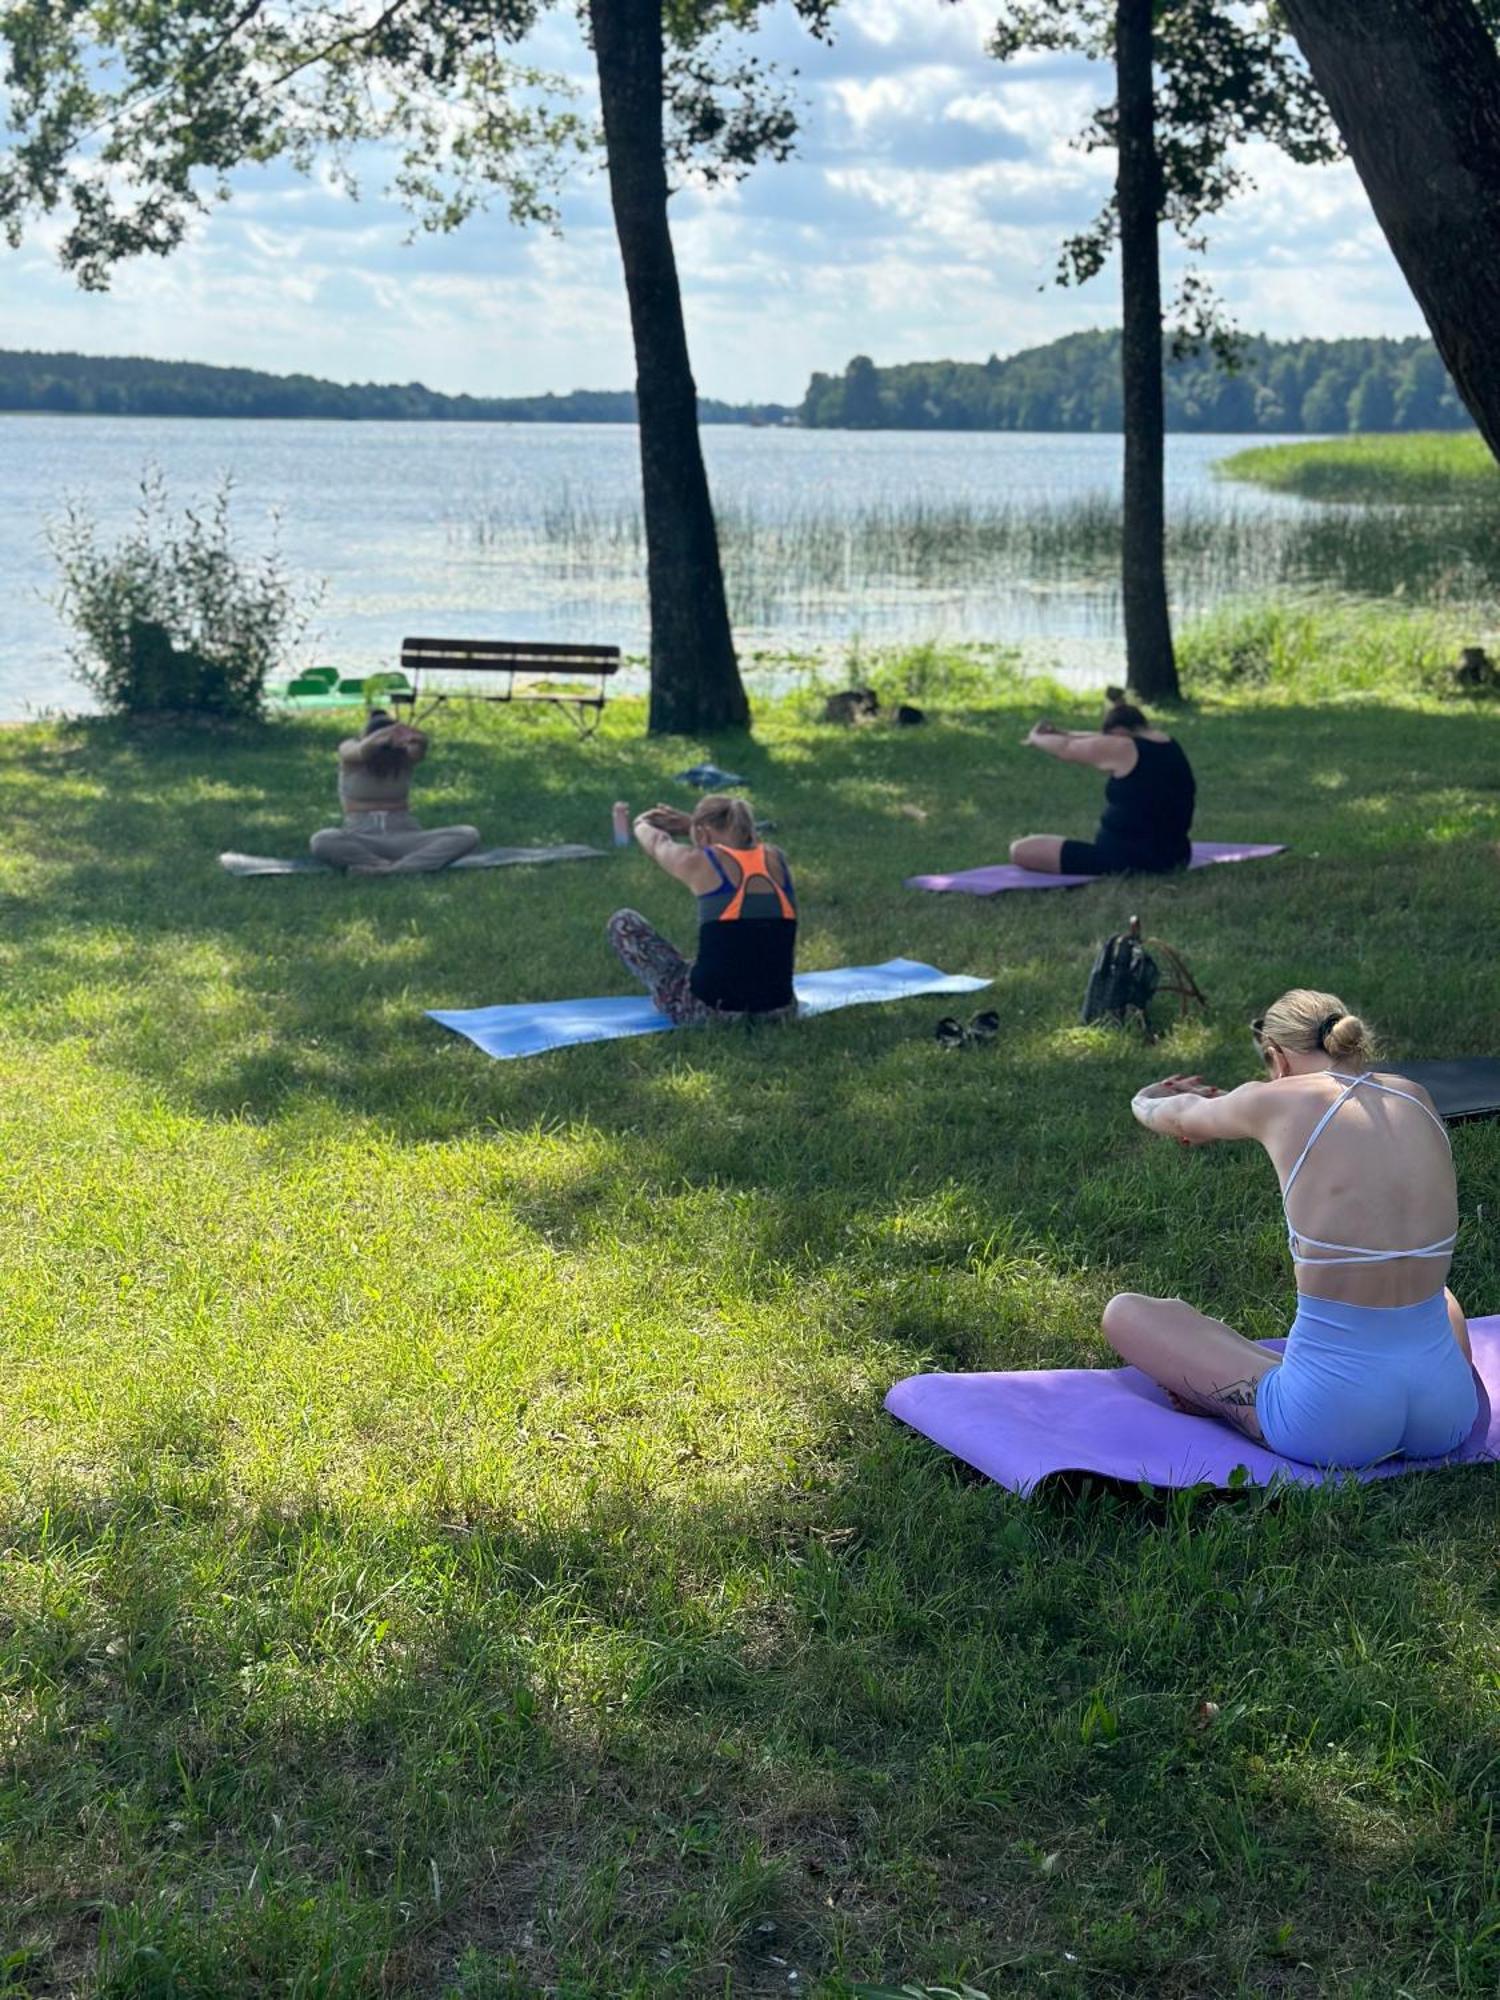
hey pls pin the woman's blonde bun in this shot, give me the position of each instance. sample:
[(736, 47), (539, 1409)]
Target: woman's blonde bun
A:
[(1306, 1022)]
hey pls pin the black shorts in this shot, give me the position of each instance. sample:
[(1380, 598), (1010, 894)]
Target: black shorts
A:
[(1106, 857)]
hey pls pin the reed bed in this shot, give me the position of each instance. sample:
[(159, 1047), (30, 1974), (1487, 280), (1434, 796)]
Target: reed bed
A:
[(1430, 466), (809, 565)]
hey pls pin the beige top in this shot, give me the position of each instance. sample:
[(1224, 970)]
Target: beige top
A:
[(363, 790)]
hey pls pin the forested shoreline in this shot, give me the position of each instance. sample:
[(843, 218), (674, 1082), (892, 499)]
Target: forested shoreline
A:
[(134, 386), (1071, 384)]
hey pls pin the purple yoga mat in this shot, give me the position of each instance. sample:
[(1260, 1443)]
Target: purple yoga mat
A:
[(1020, 1428), (1005, 874)]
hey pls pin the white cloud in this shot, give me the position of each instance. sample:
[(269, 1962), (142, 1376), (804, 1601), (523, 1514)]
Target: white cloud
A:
[(921, 219)]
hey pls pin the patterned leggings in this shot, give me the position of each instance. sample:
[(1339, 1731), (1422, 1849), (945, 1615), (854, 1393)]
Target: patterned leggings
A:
[(661, 969)]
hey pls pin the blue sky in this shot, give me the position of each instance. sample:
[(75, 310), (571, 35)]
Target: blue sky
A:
[(921, 219)]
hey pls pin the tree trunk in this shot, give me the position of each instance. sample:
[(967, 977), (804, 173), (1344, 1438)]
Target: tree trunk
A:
[(1415, 91), (695, 679), (1151, 668)]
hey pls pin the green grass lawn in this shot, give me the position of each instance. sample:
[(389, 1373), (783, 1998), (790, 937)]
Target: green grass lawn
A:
[(452, 1544), (1405, 466)]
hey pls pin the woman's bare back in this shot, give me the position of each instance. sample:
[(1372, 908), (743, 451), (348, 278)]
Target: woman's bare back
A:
[(1379, 1176)]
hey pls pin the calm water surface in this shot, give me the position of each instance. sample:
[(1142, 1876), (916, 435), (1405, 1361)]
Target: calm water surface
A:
[(529, 531)]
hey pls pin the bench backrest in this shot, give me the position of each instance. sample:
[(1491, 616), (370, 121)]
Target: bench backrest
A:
[(506, 656)]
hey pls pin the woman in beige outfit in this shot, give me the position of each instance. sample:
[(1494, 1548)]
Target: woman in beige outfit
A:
[(379, 835)]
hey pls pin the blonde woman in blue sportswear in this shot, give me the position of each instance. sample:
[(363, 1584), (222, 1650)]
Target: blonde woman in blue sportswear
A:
[(1377, 1359)]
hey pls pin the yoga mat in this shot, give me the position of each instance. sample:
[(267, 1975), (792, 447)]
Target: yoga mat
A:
[(1466, 1087), (487, 857), (1019, 1428), (530, 1027), (1005, 875)]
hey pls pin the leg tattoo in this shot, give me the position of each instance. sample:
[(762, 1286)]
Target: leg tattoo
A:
[(1232, 1402)]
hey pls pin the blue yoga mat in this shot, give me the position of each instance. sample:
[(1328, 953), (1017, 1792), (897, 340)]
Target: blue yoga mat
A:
[(530, 1027)]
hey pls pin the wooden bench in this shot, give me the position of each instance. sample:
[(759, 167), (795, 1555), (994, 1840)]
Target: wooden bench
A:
[(444, 669)]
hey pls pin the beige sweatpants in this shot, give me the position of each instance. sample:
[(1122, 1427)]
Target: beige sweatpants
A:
[(391, 843)]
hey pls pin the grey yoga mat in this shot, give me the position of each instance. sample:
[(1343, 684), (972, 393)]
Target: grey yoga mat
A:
[(487, 857)]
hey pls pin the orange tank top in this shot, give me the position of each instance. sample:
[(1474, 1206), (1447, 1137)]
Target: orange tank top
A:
[(726, 904)]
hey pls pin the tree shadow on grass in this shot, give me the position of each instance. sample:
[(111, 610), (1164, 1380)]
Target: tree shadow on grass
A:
[(845, 1144), (264, 1001), (123, 839), (670, 1739)]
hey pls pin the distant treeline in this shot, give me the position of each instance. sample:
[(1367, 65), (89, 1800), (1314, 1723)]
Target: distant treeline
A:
[(95, 385), (1073, 384)]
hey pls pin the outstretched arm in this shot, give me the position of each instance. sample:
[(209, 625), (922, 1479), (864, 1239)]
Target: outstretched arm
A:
[(654, 831), (1196, 1113), (1083, 746)]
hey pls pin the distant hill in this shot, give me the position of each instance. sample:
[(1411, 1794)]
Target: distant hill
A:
[(1073, 384), (121, 386)]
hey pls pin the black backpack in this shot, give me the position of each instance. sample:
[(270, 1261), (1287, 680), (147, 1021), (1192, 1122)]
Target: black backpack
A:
[(1125, 979)]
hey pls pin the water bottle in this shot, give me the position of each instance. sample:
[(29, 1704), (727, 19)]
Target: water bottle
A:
[(622, 823)]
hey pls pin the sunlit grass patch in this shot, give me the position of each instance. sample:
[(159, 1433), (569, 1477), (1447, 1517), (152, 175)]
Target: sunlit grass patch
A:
[(452, 1542)]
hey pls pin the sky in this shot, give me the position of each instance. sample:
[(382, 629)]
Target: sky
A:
[(920, 220)]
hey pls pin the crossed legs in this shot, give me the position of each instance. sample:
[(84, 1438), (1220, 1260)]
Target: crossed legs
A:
[(1204, 1365), (417, 852), (659, 966)]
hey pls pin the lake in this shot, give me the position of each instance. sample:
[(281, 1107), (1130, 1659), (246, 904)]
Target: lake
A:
[(832, 538)]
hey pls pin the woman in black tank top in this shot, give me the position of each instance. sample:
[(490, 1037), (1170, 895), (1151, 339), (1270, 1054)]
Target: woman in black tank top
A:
[(747, 918), (1148, 799)]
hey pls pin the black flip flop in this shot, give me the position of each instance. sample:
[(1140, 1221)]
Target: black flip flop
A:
[(984, 1027), (949, 1034)]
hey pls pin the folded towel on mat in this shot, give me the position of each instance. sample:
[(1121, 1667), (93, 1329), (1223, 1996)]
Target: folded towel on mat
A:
[(1022, 1426), (529, 1027)]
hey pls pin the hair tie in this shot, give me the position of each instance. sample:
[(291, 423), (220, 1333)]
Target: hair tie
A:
[(1328, 1021)]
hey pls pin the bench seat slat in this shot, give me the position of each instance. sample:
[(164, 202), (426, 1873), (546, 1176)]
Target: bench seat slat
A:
[(485, 654)]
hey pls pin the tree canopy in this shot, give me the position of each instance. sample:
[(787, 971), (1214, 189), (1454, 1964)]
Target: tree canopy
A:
[(1225, 75), (128, 118)]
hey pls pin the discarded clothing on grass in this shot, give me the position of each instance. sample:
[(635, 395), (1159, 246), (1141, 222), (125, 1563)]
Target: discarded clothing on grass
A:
[(530, 1027), (708, 778), (1020, 1427), (1006, 875), (486, 857)]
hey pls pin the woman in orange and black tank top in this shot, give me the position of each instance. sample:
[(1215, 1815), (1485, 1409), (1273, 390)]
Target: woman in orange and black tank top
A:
[(747, 918)]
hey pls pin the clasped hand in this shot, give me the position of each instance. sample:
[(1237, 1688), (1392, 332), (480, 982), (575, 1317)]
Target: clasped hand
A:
[(1181, 1086), (395, 736), (667, 819)]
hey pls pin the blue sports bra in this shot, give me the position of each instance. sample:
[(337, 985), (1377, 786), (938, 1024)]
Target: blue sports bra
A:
[(1353, 1253)]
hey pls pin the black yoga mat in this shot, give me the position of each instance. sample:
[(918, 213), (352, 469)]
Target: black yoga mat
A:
[(1465, 1087)]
